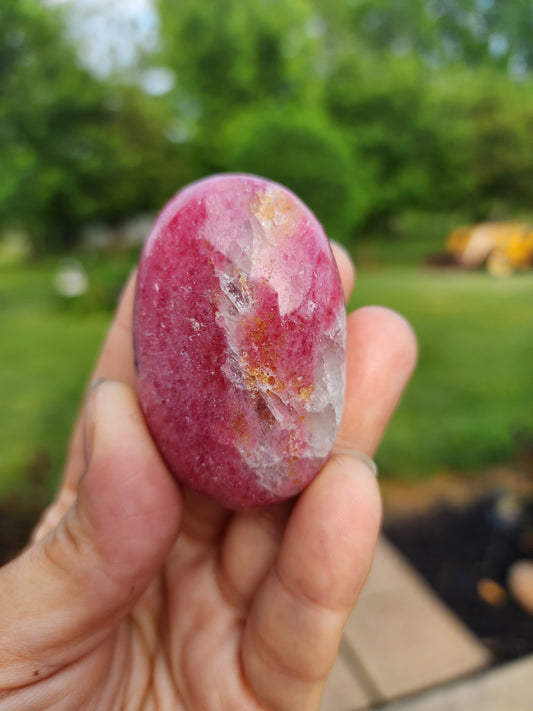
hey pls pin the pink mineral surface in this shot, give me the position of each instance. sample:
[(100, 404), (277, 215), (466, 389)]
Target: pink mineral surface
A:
[(239, 336)]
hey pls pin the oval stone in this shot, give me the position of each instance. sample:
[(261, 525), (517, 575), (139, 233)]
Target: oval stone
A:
[(239, 339)]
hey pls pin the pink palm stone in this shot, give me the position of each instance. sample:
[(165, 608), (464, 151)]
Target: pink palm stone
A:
[(239, 335)]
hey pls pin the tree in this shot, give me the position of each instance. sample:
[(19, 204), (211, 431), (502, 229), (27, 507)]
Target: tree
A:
[(415, 155), (231, 53), (234, 54), (440, 32), (72, 148), (498, 114)]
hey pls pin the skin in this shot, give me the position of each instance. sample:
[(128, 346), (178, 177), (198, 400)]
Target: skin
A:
[(137, 595)]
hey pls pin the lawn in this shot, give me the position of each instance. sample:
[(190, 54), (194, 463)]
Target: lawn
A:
[(47, 347), (465, 409), (470, 404)]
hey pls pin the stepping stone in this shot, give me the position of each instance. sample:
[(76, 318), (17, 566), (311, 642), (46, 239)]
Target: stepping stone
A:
[(401, 638), (345, 691), (506, 688)]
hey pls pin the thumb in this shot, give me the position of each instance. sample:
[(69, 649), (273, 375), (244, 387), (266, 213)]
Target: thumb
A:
[(68, 591)]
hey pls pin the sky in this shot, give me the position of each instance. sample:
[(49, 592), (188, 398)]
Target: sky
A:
[(109, 33)]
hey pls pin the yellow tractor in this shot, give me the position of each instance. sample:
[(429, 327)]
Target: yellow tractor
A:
[(502, 247)]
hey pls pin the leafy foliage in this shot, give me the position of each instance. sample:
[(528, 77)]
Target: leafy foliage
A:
[(233, 53), (71, 148), (305, 152), (368, 110)]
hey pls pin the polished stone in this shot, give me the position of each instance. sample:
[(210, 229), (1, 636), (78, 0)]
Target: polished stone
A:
[(239, 334)]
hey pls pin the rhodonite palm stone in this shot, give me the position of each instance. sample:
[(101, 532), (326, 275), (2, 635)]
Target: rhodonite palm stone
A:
[(239, 337)]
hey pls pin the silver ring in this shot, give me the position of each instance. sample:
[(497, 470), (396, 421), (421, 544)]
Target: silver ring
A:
[(361, 456)]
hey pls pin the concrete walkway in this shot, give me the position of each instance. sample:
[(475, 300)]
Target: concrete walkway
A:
[(506, 688), (404, 650)]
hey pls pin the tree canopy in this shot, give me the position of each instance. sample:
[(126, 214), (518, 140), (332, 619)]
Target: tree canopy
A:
[(366, 108), (72, 148)]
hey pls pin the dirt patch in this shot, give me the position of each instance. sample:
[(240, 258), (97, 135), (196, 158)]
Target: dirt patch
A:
[(20, 510), (16, 523), (463, 537), (403, 499)]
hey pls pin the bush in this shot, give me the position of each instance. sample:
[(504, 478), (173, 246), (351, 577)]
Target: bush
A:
[(304, 151)]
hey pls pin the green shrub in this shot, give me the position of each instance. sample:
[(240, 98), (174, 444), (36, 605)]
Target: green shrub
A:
[(305, 152)]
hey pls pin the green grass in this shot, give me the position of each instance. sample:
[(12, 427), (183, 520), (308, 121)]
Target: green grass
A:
[(472, 393), (47, 347)]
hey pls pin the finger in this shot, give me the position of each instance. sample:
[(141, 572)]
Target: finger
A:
[(297, 619), (294, 629), (115, 362), (346, 268), (251, 545), (381, 355), (116, 357), (76, 583)]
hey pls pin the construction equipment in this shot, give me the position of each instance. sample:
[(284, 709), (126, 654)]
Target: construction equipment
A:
[(502, 247)]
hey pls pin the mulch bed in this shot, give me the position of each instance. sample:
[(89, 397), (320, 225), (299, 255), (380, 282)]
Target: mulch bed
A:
[(454, 548), (16, 524)]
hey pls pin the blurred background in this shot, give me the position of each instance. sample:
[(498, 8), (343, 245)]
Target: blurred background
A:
[(396, 122)]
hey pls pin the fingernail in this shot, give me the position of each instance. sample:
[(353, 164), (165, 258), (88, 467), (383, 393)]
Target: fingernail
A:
[(88, 423), (361, 456)]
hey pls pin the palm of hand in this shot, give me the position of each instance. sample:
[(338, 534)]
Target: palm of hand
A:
[(182, 645)]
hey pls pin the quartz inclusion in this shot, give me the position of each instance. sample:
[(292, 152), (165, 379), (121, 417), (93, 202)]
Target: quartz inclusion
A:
[(239, 335)]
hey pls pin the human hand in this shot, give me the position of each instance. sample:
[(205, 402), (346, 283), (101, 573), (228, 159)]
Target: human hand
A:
[(136, 595)]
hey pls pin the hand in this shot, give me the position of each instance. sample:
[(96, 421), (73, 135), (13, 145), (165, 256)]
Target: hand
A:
[(135, 595)]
